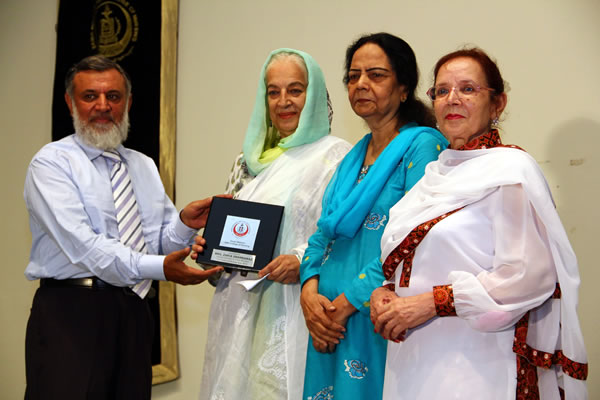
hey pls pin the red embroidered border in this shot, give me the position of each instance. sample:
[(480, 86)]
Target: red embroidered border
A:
[(487, 141), (405, 250), (557, 293), (443, 297), (527, 380), (490, 139), (543, 359), (406, 269)]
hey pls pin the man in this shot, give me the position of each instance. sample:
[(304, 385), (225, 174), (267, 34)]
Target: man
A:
[(99, 217)]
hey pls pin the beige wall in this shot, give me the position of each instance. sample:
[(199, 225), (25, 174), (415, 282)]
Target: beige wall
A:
[(548, 50), (27, 45)]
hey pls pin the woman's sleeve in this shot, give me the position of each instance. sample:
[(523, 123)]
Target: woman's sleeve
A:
[(522, 275), (311, 262), (369, 278)]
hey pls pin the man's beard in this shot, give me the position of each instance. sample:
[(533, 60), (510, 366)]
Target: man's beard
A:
[(98, 135)]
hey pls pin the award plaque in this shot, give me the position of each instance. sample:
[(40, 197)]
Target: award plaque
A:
[(240, 234)]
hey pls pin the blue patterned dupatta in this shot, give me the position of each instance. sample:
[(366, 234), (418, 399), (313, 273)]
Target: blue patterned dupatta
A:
[(345, 203)]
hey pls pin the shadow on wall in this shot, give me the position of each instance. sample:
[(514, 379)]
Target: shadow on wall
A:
[(573, 172)]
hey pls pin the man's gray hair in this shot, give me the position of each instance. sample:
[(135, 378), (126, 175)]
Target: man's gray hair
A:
[(95, 63)]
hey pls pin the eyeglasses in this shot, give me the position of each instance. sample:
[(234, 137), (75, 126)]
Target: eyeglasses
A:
[(464, 90)]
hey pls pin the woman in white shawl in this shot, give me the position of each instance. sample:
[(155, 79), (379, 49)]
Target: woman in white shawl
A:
[(482, 281), (257, 339)]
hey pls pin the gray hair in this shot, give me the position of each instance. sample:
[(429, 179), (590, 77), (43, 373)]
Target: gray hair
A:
[(95, 63), (287, 55)]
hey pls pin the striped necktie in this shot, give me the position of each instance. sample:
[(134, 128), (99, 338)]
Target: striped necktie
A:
[(128, 216)]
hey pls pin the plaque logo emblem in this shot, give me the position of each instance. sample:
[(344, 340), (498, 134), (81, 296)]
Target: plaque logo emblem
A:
[(241, 229), (239, 232), (115, 28)]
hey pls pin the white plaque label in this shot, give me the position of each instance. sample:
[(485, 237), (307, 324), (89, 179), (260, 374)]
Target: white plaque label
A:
[(231, 257)]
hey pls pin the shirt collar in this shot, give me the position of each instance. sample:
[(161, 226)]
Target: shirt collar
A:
[(94, 152)]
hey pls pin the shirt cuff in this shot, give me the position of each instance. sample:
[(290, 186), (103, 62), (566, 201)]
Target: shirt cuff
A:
[(151, 267), (308, 271), (443, 297), (184, 232)]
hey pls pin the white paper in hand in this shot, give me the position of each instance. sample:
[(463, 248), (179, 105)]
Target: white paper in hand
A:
[(251, 283)]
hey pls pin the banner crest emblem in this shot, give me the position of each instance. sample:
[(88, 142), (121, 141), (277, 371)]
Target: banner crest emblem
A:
[(114, 29)]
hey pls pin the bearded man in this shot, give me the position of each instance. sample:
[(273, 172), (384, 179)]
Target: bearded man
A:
[(100, 220)]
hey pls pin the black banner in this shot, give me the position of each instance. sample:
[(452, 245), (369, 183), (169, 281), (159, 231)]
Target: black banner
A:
[(128, 32)]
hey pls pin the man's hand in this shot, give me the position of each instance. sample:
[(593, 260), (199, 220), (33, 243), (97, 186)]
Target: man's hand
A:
[(177, 271), (283, 269), (198, 246), (194, 215)]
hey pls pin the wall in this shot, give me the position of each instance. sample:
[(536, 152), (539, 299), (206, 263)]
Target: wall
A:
[(27, 46), (548, 50)]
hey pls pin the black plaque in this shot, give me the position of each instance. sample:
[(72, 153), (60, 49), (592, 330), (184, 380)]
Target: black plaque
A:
[(240, 234)]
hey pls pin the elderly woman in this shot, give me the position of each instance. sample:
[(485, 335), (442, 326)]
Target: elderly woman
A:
[(341, 266), (483, 282), (257, 339)]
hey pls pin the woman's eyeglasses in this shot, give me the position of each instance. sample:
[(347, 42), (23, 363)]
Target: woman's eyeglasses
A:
[(464, 90)]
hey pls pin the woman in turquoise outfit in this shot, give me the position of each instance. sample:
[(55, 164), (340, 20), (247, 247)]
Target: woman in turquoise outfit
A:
[(341, 266)]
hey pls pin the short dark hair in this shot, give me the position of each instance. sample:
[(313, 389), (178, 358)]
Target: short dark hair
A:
[(95, 63), (489, 67), (404, 63)]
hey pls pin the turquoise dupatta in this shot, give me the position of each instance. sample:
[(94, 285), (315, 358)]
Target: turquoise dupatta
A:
[(346, 204)]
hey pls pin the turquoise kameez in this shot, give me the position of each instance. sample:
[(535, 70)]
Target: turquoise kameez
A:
[(351, 265)]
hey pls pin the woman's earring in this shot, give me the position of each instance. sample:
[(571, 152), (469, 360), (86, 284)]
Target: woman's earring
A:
[(437, 126), (495, 122)]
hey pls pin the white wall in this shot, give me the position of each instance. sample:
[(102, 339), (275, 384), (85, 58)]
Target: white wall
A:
[(27, 47), (548, 50)]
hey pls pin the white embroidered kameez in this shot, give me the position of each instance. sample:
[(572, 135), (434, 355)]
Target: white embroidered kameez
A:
[(503, 254), (257, 340)]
